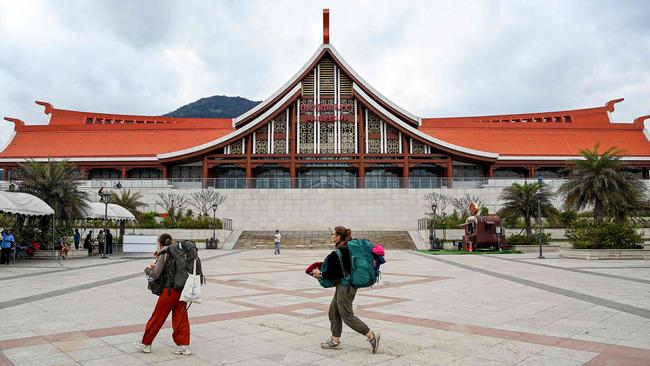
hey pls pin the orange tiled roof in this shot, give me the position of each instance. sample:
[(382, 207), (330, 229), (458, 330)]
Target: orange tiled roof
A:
[(561, 133), (74, 134)]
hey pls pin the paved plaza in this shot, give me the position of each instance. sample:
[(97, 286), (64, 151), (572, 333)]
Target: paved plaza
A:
[(262, 309)]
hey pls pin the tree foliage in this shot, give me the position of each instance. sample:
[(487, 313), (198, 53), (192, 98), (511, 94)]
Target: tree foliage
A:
[(204, 199), (462, 204), (519, 200), (173, 203), (600, 182), (56, 183)]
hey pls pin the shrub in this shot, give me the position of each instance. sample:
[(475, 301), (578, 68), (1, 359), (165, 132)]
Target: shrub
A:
[(484, 210), (518, 239), (563, 219), (148, 220), (585, 234)]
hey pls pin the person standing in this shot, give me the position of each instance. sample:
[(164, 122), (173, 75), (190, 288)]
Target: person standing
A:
[(6, 244), (109, 242), (276, 238), (100, 240), (340, 311), (168, 301), (77, 239), (88, 243)]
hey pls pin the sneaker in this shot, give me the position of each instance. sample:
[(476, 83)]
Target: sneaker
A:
[(375, 342), (329, 344), (146, 348), (182, 350)]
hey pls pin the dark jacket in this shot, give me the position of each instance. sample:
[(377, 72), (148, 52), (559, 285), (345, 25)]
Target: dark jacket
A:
[(162, 271), (334, 272)]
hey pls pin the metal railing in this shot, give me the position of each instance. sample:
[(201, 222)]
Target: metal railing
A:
[(325, 182), (227, 224)]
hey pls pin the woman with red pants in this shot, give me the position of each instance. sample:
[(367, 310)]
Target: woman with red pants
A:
[(168, 301)]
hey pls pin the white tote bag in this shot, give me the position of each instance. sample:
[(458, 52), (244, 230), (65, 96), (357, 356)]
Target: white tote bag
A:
[(192, 289)]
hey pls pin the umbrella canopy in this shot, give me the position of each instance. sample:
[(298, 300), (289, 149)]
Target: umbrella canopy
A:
[(24, 204), (97, 210)]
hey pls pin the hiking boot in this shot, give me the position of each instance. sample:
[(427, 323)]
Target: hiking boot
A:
[(329, 344), (182, 350), (375, 342), (146, 348)]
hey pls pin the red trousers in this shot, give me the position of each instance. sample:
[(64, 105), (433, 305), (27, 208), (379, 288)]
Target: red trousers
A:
[(168, 301)]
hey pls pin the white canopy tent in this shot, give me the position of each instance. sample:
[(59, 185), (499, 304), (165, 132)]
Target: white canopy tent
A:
[(97, 211), (24, 204)]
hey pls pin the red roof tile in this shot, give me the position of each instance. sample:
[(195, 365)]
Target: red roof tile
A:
[(73, 134)]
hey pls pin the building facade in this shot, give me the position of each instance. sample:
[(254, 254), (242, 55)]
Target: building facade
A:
[(326, 128)]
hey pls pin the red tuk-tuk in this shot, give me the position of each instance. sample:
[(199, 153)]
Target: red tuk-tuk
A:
[(483, 232)]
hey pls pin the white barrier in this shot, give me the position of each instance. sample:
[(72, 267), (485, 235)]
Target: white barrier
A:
[(140, 243)]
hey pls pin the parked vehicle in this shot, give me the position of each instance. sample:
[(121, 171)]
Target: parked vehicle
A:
[(484, 233)]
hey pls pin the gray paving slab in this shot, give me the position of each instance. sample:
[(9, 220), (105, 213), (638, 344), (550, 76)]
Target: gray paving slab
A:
[(261, 309)]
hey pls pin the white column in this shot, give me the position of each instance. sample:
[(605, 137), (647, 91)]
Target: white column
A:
[(318, 112), (270, 138), (243, 146), (410, 145), (254, 140)]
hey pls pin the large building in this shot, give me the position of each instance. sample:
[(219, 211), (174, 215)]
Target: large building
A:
[(326, 127)]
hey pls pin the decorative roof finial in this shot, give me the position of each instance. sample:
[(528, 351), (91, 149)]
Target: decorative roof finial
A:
[(326, 26)]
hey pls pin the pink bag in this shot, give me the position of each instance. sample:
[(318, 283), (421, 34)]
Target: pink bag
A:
[(378, 250)]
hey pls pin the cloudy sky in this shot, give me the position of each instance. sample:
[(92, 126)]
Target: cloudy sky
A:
[(434, 58)]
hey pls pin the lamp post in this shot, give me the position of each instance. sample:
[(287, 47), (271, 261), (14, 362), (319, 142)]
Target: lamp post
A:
[(104, 197), (538, 196), (432, 233), (214, 225)]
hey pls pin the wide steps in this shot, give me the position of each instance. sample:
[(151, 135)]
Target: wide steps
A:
[(320, 239)]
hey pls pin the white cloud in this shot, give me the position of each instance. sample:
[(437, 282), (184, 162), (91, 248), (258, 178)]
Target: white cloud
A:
[(442, 58)]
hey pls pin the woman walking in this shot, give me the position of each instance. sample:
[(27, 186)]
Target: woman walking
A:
[(340, 311), (168, 301)]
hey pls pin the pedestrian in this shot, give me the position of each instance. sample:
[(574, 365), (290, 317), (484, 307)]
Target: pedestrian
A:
[(276, 238), (340, 310), (88, 243), (100, 240), (168, 301), (77, 239), (109, 242), (6, 244), (64, 247)]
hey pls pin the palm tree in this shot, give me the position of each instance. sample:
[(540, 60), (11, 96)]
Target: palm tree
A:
[(599, 181), (520, 201), (130, 201), (56, 183)]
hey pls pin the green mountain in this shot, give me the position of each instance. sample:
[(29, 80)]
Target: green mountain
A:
[(218, 106)]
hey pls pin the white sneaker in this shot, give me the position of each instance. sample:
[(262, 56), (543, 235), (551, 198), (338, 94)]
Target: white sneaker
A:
[(146, 348), (182, 350)]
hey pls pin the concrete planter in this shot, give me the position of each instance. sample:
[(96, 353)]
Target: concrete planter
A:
[(534, 248), (593, 254)]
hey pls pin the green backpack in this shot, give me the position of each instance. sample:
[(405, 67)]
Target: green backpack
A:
[(363, 272)]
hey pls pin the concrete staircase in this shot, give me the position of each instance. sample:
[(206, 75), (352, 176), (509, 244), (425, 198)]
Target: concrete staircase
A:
[(320, 239)]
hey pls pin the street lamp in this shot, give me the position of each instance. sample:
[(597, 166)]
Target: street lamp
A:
[(214, 225), (104, 197), (432, 233), (538, 197)]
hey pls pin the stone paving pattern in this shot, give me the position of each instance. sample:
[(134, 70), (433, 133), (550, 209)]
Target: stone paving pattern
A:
[(262, 309), (320, 239)]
